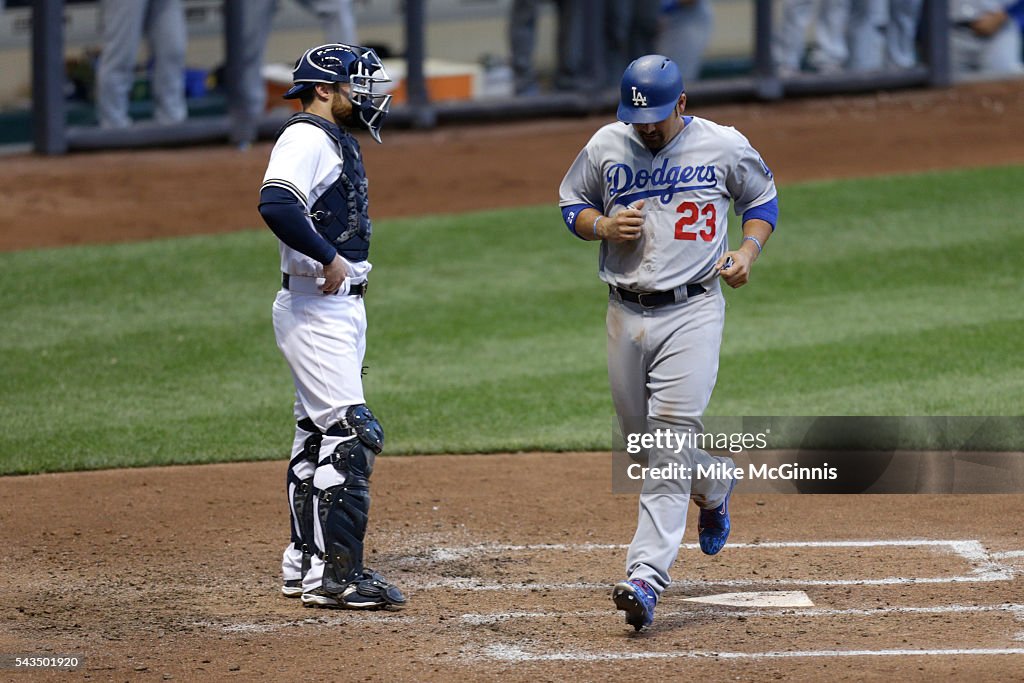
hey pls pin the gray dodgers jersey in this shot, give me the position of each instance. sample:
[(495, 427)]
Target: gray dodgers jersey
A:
[(686, 187)]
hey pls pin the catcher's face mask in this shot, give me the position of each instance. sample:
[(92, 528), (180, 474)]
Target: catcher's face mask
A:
[(358, 66), (371, 107)]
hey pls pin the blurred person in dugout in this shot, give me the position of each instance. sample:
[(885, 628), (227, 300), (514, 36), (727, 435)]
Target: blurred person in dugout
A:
[(631, 31), (684, 33), (830, 50), (522, 39), (1016, 12), (859, 35), (124, 22), (337, 17), (984, 39), (882, 34)]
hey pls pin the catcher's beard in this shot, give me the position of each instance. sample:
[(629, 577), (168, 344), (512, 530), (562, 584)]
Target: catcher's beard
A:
[(352, 120), (345, 111)]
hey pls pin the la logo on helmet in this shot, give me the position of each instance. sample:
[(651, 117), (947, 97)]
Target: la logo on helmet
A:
[(638, 98)]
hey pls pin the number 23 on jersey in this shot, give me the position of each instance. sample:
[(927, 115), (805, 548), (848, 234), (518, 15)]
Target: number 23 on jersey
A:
[(687, 226)]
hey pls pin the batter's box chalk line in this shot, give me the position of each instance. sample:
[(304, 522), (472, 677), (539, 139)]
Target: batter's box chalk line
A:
[(338, 618), (985, 566), (1017, 610), (514, 653)]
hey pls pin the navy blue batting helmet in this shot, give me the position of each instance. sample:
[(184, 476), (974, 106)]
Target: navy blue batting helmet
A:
[(650, 89), (339, 63)]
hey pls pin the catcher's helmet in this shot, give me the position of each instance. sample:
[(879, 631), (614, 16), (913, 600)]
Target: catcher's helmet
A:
[(650, 89), (338, 63)]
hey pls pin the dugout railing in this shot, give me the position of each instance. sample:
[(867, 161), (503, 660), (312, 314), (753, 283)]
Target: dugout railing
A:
[(52, 135)]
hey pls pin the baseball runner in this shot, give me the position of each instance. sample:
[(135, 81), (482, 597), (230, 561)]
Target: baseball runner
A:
[(655, 192), (314, 198)]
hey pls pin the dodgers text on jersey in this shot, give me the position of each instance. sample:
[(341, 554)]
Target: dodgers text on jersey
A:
[(627, 185)]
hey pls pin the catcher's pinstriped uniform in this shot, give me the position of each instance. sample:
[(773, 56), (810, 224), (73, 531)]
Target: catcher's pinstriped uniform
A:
[(656, 193), (314, 197)]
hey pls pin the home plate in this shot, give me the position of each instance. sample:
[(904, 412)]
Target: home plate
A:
[(757, 599)]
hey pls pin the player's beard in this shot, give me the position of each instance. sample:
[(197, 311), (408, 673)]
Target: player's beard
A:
[(345, 112), (351, 120), (654, 141), (659, 134)]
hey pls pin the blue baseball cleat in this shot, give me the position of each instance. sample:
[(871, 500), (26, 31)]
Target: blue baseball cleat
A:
[(637, 599), (713, 525)]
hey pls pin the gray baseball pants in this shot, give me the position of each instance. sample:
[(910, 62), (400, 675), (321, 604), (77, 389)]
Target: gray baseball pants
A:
[(123, 24), (882, 34), (684, 36), (830, 25), (995, 55), (662, 366), (338, 20)]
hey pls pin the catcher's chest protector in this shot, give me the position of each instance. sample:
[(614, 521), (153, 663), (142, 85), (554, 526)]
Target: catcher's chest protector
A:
[(341, 213)]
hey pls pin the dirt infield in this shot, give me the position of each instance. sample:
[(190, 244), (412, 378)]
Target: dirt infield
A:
[(172, 573), (507, 560)]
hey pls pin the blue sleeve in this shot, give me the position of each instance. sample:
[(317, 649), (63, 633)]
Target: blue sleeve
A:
[(285, 217), (1016, 12), (569, 214), (768, 212)]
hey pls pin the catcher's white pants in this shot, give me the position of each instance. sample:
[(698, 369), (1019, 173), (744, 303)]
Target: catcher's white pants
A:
[(662, 366), (323, 339)]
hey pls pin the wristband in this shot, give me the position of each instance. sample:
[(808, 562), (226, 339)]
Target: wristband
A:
[(756, 242), (594, 228)]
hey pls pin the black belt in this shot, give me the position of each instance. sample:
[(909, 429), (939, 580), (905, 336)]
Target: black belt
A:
[(353, 290), (654, 299)]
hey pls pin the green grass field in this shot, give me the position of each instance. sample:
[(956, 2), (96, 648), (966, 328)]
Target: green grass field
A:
[(890, 296)]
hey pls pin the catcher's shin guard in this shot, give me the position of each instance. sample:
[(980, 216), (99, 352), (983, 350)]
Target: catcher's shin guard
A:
[(300, 492), (344, 510)]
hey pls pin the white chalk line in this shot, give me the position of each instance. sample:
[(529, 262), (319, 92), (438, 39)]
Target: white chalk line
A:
[(462, 552), (477, 619), (469, 584), (985, 566), (986, 569), (342, 618), (1008, 555), (723, 611), (512, 653)]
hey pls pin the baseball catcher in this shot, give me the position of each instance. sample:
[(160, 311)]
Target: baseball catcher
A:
[(314, 198)]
